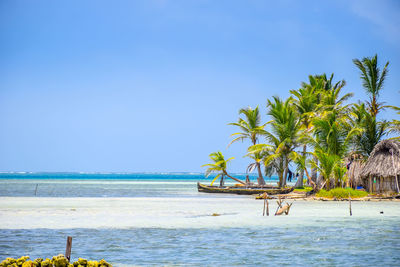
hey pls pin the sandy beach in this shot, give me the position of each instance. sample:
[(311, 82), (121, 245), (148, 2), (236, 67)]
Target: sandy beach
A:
[(234, 211)]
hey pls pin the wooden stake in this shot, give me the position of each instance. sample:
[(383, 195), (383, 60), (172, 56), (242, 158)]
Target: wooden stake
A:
[(264, 208), (267, 207), (68, 249), (350, 205), (36, 188)]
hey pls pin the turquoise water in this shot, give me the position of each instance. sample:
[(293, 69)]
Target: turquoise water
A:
[(161, 219), (106, 184)]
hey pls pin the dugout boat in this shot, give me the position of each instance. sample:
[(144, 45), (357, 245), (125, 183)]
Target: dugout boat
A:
[(243, 190)]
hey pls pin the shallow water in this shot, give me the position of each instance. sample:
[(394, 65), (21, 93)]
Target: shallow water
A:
[(176, 228)]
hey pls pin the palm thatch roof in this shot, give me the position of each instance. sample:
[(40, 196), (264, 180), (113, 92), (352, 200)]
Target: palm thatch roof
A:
[(354, 172), (380, 162)]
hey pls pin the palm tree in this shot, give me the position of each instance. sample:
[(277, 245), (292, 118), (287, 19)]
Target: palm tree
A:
[(371, 130), (284, 134), (271, 157), (306, 101), (218, 166), (257, 156), (331, 99), (331, 134), (301, 165), (395, 124), (327, 164), (251, 128), (372, 80)]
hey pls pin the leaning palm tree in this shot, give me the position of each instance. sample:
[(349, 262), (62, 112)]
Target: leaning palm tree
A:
[(218, 166), (251, 129), (372, 80)]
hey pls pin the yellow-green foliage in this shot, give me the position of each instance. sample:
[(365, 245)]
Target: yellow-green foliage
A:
[(10, 262), (31, 264), (60, 261), (46, 263), (56, 261), (303, 189), (92, 264), (342, 193)]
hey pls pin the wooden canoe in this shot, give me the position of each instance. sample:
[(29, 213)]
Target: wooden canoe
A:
[(242, 190)]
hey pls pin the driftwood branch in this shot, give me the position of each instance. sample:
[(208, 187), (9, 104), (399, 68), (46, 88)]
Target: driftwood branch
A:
[(285, 209)]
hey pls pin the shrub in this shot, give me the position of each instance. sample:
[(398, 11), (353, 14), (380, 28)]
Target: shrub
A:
[(303, 189), (341, 193)]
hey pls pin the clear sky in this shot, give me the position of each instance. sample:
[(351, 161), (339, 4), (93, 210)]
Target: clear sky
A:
[(132, 86)]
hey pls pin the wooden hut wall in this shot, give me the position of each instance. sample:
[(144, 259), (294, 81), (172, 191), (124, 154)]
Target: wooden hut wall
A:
[(381, 184)]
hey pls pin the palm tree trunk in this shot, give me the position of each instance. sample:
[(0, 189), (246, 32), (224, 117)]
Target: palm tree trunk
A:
[(221, 181), (310, 180), (286, 172), (233, 178), (314, 173), (260, 178), (280, 173), (299, 182), (328, 183)]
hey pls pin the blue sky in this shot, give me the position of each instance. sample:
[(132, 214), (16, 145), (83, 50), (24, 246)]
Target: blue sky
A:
[(137, 86)]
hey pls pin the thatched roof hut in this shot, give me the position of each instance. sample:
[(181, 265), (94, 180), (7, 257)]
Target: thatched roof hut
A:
[(354, 172), (381, 172)]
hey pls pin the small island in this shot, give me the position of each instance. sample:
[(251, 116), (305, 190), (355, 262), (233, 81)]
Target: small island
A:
[(336, 149)]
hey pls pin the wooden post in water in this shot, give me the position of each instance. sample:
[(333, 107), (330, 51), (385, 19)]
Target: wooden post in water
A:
[(36, 189), (68, 249), (264, 208), (350, 205)]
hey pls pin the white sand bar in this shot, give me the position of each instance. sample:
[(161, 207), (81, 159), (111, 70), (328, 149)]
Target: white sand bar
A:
[(235, 211)]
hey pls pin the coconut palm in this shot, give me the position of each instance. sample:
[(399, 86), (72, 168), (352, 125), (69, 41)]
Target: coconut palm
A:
[(317, 98), (395, 124), (316, 87), (339, 173), (306, 100), (327, 164), (331, 99), (270, 156), (372, 80), (257, 156), (251, 129), (371, 130), (218, 166), (331, 135), (283, 135), (301, 165)]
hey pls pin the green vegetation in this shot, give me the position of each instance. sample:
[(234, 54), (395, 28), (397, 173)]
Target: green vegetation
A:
[(303, 189), (56, 261), (251, 129), (219, 167), (341, 193), (314, 128)]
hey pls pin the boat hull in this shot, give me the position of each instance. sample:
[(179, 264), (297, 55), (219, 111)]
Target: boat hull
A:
[(243, 190)]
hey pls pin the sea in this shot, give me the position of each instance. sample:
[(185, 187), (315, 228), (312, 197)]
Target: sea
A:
[(160, 219)]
